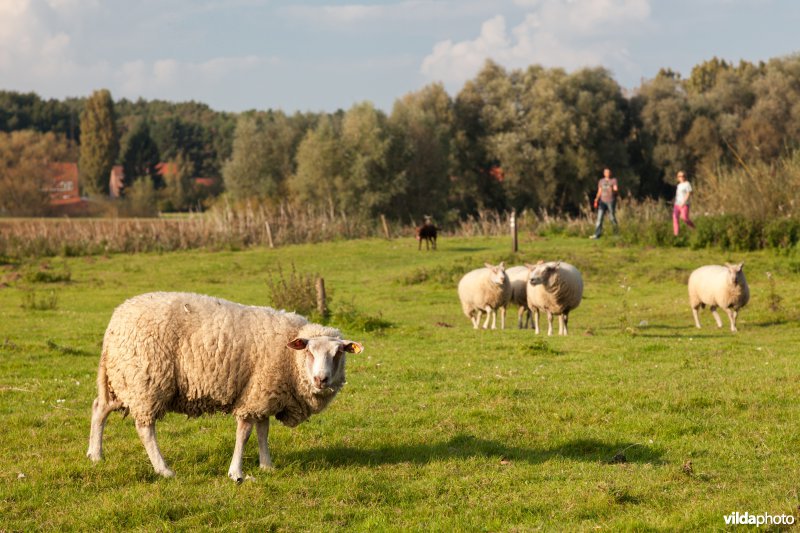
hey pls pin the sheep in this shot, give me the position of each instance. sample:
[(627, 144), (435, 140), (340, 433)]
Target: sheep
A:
[(555, 288), (485, 289), (195, 354), (719, 286), (427, 232), (518, 277)]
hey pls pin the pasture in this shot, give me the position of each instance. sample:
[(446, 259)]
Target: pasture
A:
[(637, 420)]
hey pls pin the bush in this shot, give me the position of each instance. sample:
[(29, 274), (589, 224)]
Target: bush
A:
[(728, 232), (296, 293), (782, 233)]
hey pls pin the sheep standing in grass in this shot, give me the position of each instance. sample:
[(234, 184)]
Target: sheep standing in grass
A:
[(485, 290), (195, 354), (555, 288), (518, 277), (719, 286)]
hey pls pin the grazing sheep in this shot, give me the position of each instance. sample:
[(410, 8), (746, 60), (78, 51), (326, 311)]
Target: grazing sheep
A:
[(718, 286), (194, 354), (518, 277), (427, 232), (555, 288), (485, 290)]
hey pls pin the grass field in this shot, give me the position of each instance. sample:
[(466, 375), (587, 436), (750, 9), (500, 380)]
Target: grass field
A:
[(635, 421)]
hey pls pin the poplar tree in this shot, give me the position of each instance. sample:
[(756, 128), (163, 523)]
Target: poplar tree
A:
[(99, 142)]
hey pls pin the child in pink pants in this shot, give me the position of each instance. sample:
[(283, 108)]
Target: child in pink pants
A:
[(681, 209)]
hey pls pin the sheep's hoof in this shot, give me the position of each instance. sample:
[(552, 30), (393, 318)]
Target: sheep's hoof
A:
[(266, 467), (95, 457), (237, 477), (166, 473)]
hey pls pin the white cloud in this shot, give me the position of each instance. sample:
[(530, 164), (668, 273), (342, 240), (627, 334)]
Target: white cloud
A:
[(565, 33), (422, 11)]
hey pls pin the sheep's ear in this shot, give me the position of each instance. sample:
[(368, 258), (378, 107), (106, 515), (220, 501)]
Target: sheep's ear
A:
[(298, 344), (530, 266), (352, 347), (540, 261), (557, 265), (502, 265), (487, 265), (740, 266)]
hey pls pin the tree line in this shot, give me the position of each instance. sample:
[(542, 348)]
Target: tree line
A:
[(535, 138)]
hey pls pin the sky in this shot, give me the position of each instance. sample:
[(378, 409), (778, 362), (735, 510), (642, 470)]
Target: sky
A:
[(236, 55)]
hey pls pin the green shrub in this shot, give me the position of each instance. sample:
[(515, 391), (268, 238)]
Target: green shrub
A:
[(34, 301), (782, 233), (296, 293)]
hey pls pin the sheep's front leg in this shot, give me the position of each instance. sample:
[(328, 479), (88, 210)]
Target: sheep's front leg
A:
[(717, 319), (489, 315), (503, 317), (243, 429), (696, 317), (732, 314), (475, 317), (549, 323), (148, 435), (262, 432), (536, 321)]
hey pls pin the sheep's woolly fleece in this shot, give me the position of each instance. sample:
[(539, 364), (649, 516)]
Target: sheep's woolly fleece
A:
[(196, 354)]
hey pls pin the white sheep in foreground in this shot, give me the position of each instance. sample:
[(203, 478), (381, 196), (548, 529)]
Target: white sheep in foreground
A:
[(555, 288), (518, 277), (194, 354), (485, 290), (719, 286)]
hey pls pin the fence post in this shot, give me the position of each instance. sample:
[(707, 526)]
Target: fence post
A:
[(513, 223), (269, 234), (322, 307), (385, 227)]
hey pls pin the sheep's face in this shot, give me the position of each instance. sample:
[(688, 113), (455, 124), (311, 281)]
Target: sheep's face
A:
[(498, 273), (735, 273), (324, 361), (542, 273)]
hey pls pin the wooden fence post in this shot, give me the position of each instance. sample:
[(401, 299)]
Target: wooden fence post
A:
[(269, 235), (322, 307), (385, 227), (513, 222)]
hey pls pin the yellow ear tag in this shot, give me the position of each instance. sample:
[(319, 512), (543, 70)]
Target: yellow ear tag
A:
[(357, 348)]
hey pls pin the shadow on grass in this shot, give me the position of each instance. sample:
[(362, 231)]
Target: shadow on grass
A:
[(467, 446)]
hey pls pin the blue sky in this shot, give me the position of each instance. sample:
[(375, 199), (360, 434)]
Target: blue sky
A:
[(324, 55)]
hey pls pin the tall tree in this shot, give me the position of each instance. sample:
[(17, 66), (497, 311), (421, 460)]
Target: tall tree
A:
[(140, 156), (422, 123), (321, 166), (99, 142)]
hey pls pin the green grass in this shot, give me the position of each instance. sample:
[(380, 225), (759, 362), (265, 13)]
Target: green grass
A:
[(635, 421)]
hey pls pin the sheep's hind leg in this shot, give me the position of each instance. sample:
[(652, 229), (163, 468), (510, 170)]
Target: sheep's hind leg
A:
[(262, 431), (732, 314), (716, 316), (243, 429), (562, 324), (148, 435), (100, 414)]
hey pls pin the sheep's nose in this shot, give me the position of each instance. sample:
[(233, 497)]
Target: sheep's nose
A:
[(320, 381)]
